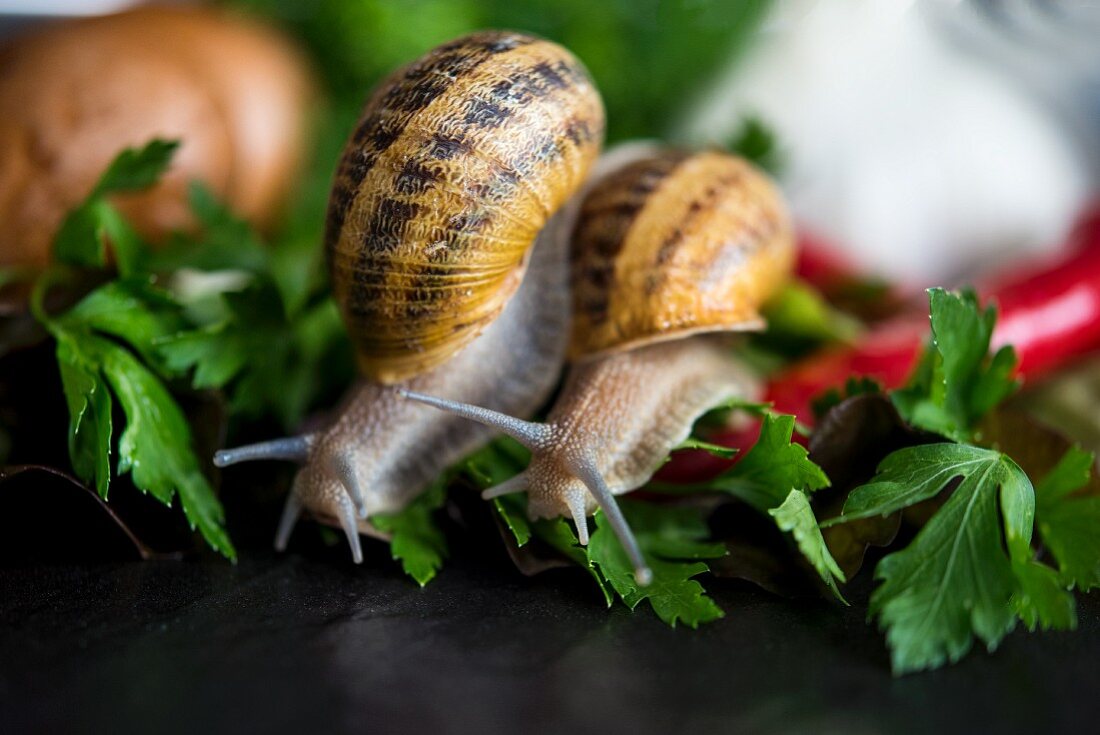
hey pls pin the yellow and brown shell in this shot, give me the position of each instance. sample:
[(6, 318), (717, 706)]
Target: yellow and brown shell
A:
[(676, 244), (456, 164)]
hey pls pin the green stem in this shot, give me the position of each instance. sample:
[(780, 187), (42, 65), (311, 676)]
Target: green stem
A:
[(42, 285)]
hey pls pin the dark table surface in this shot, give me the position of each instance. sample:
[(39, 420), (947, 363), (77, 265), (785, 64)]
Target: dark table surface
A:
[(307, 642)]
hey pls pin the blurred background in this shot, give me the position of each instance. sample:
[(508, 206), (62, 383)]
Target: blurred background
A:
[(926, 139)]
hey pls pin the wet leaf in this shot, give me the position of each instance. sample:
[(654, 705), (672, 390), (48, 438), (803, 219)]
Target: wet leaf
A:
[(957, 381)]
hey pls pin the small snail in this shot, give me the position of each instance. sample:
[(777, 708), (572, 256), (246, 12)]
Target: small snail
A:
[(667, 249), (458, 163)]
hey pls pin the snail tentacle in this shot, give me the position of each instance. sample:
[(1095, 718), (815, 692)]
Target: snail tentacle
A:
[(585, 467), (578, 509), (292, 448), (343, 467), (292, 510), (351, 528), (528, 433), (517, 484)]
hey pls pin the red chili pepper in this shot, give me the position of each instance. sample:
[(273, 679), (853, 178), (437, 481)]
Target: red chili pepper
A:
[(821, 264), (1049, 311)]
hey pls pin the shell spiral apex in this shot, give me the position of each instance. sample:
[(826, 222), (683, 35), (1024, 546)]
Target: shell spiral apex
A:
[(676, 244), (457, 163)]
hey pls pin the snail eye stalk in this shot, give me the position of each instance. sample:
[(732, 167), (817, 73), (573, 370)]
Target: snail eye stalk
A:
[(292, 448)]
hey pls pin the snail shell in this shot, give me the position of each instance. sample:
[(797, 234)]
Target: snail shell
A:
[(667, 248), (458, 161), (676, 244)]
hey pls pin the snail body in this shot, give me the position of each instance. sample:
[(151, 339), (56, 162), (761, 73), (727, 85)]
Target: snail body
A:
[(672, 252), (461, 162)]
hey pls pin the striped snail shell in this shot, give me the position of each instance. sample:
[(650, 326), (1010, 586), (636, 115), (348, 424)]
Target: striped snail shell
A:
[(461, 162), (455, 166), (676, 244), (668, 248)]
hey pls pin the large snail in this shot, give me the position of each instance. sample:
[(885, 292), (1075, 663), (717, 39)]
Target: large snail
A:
[(459, 161), (668, 250)]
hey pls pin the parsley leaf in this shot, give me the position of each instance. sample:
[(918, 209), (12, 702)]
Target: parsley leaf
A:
[(772, 468), (86, 231), (137, 168), (417, 541), (513, 512), (956, 382), (559, 534), (795, 516), (132, 310), (302, 340), (502, 459), (955, 581), (89, 404), (1068, 524), (671, 538), (1041, 600), (718, 418), (221, 351), (214, 352), (415, 538), (156, 448), (224, 242), (716, 450), (155, 444), (971, 571), (913, 474), (776, 477), (96, 368)]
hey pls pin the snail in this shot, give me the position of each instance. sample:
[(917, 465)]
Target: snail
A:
[(460, 162), (671, 253)]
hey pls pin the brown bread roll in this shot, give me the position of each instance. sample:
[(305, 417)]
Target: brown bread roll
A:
[(73, 95)]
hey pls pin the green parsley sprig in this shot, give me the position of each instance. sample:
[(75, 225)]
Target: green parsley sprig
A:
[(214, 304), (105, 352), (971, 571)]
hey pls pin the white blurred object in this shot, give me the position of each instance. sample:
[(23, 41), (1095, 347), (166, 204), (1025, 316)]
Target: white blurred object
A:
[(918, 157), (62, 7)]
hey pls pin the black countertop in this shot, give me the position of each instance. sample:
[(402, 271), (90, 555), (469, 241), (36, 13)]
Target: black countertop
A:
[(307, 643)]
